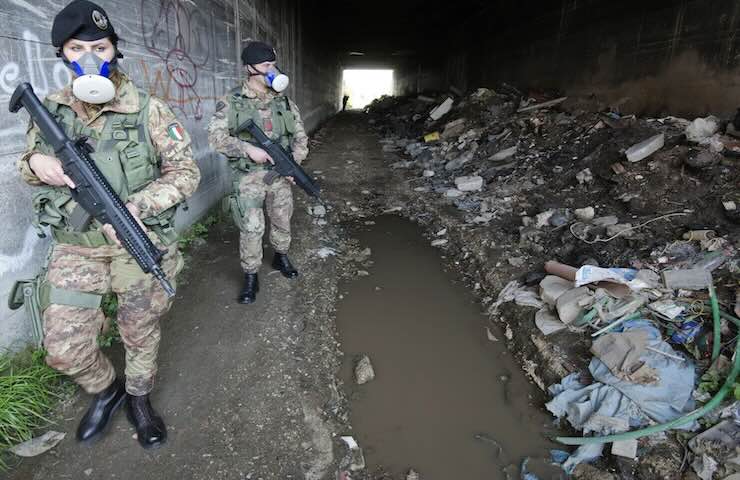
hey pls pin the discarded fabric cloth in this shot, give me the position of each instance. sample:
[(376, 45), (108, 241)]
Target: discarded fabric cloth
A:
[(621, 353), (627, 404)]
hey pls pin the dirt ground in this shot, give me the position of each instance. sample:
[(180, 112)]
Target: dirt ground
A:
[(247, 392)]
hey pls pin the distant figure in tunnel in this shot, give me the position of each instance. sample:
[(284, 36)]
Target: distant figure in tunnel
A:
[(259, 98), (144, 153), (345, 99)]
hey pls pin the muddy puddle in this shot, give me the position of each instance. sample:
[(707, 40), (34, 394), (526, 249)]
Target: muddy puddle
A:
[(446, 401)]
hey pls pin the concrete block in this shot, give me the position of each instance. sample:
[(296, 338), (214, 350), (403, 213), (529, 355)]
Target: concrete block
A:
[(570, 304), (469, 184), (689, 279), (552, 286), (625, 448)]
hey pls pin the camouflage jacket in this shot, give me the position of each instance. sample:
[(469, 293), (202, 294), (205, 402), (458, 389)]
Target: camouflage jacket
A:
[(222, 142), (179, 174)]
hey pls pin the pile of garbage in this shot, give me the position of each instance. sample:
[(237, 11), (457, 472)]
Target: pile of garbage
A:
[(648, 209), (650, 335)]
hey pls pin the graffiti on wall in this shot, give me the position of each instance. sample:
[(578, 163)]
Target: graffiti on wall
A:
[(31, 64), (31, 67), (177, 34)]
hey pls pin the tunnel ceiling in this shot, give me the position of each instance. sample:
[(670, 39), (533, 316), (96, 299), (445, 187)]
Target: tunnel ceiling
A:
[(386, 28)]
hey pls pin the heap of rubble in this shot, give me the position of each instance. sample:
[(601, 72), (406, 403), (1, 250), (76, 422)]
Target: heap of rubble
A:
[(565, 191)]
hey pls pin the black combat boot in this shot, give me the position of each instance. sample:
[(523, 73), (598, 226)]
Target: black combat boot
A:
[(250, 288), (282, 262), (102, 408), (149, 426)]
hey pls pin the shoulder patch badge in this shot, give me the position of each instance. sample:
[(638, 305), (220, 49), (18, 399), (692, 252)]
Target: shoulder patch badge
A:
[(175, 132)]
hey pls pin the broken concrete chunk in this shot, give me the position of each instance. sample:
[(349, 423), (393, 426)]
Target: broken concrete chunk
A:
[(645, 148), (504, 154), (428, 173), (453, 193), (412, 475), (364, 371), (585, 214), (440, 110), (469, 184), (571, 304), (439, 242), (552, 287), (547, 323), (689, 279), (625, 448)]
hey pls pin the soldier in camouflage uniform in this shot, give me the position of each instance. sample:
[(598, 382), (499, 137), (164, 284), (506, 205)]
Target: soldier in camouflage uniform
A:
[(279, 118), (145, 155)]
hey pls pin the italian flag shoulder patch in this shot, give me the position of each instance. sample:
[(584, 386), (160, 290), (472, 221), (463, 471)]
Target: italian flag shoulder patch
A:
[(175, 131)]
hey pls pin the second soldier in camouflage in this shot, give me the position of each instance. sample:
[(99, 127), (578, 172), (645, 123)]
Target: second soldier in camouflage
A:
[(279, 118)]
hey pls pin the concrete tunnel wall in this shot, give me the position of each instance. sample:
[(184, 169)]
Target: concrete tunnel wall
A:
[(185, 52), (658, 57)]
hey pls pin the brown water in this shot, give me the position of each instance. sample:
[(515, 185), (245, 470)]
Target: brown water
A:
[(440, 382)]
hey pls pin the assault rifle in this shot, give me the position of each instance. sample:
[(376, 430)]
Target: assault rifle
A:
[(284, 164), (92, 191)]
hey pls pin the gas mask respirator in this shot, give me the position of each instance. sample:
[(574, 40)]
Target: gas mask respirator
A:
[(92, 84), (276, 80)]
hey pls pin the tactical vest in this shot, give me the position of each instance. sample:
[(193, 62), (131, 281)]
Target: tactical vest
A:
[(124, 154), (242, 109)]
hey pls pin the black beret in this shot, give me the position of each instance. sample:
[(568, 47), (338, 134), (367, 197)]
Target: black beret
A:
[(82, 20), (257, 52)]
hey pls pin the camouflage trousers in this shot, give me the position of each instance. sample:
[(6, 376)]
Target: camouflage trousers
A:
[(254, 197), (70, 333)]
